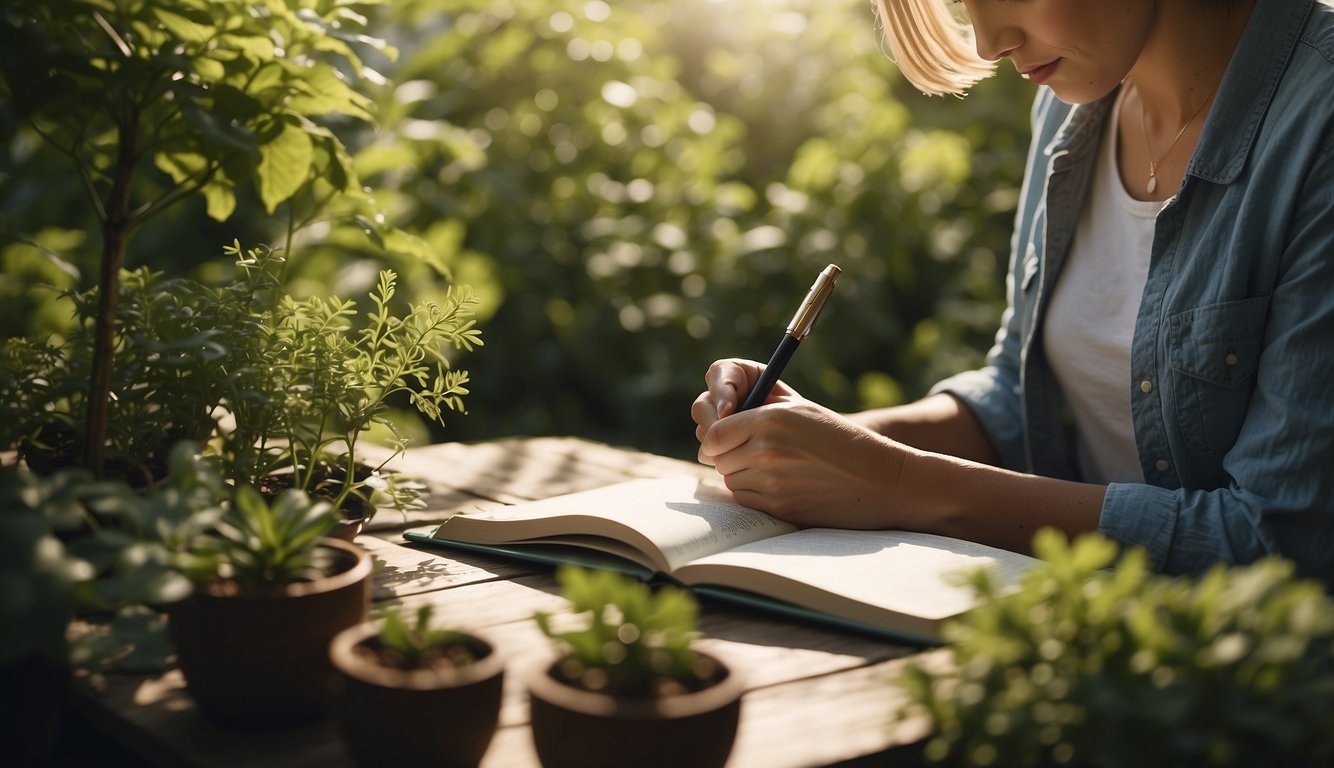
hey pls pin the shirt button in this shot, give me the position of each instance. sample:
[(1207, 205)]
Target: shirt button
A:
[(1145, 386), (1231, 358), (1163, 465)]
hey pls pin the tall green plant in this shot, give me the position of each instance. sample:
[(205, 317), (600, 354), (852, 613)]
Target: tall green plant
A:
[(157, 101)]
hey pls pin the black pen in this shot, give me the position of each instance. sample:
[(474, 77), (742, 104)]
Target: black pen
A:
[(796, 331)]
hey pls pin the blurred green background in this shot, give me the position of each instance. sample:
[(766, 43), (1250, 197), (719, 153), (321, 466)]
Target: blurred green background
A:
[(633, 189)]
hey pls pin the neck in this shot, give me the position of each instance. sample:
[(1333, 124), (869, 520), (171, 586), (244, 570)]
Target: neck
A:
[(1170, 88), (1185, 56)]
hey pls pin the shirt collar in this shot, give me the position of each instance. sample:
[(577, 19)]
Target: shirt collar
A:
[(1248, 88)]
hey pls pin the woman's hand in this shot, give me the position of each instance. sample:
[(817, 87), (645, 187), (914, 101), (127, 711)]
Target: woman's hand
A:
[(806, 464), (792, 458)]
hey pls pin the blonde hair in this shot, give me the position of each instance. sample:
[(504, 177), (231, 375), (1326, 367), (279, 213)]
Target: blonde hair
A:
[(932, 48)]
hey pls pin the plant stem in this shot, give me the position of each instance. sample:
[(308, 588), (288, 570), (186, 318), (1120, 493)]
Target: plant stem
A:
[(115, 229), (351, 475)]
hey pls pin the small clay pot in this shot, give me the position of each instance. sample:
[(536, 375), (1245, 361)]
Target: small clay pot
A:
[(260, 659), (576, 728), (393, 717)]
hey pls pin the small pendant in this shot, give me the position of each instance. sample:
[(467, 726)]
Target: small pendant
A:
[(1152, 185)]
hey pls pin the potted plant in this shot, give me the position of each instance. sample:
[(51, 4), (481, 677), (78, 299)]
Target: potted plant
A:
[(271, 592), (1088, 666), (414, 694), (311, 380), (628, 687)]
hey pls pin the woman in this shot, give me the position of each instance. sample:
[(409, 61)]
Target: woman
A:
[(1164, 372)]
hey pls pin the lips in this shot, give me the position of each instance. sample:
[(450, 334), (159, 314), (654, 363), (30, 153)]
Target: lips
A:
[(1040, 73)]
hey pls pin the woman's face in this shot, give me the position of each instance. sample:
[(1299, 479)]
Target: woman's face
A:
[(1080, 48)]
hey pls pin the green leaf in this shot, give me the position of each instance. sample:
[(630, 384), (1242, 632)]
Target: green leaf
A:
[(322, 91), (183, 28), (208, 68), (257, 48), (284, 165), (218, 132), (220, 198), (181, 166)]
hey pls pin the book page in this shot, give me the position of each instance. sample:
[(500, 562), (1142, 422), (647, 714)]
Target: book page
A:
[(671, 521), (892, 579)]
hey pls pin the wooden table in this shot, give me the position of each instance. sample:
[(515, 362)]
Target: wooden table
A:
[(814, 696)]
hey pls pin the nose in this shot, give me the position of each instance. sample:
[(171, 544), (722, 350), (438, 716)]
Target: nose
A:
[(994, 38)]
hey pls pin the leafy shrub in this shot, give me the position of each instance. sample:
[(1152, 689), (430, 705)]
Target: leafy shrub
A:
[(171, 336), (216, 94), (1088, 666), (302, 380), (647, 186), (73, 545)]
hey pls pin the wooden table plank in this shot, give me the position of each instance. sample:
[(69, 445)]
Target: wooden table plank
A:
[(516, 470), (823, 720), (401, 570)]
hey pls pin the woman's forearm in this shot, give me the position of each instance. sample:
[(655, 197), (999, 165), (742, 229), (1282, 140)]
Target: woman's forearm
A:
[(938, 423), (967, 500)]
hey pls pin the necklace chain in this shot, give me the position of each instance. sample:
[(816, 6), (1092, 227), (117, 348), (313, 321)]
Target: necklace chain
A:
[(1144, 127)]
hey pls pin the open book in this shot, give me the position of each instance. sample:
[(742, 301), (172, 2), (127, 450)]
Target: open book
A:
[(893, 583)]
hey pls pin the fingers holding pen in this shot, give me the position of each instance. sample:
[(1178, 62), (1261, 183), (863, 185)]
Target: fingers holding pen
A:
[(729, 380), (726, 383)]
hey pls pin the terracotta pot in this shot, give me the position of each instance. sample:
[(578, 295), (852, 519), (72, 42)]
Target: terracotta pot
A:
[(260, 659), (575, 728), (393, 717)]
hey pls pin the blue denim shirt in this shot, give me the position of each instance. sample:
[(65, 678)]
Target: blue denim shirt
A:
[(1232, 358)]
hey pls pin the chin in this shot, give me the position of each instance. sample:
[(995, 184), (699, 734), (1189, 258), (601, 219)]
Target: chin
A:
[(1082, 93)]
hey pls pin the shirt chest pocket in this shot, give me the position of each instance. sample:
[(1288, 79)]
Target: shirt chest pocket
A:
[(1214, 354)]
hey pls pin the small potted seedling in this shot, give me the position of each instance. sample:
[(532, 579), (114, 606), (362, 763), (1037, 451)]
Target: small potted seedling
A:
[(628, 687), (271, 592), (415, 694)]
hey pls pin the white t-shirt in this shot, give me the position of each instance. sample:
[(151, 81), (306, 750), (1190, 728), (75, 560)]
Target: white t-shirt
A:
[(1091, 318)]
